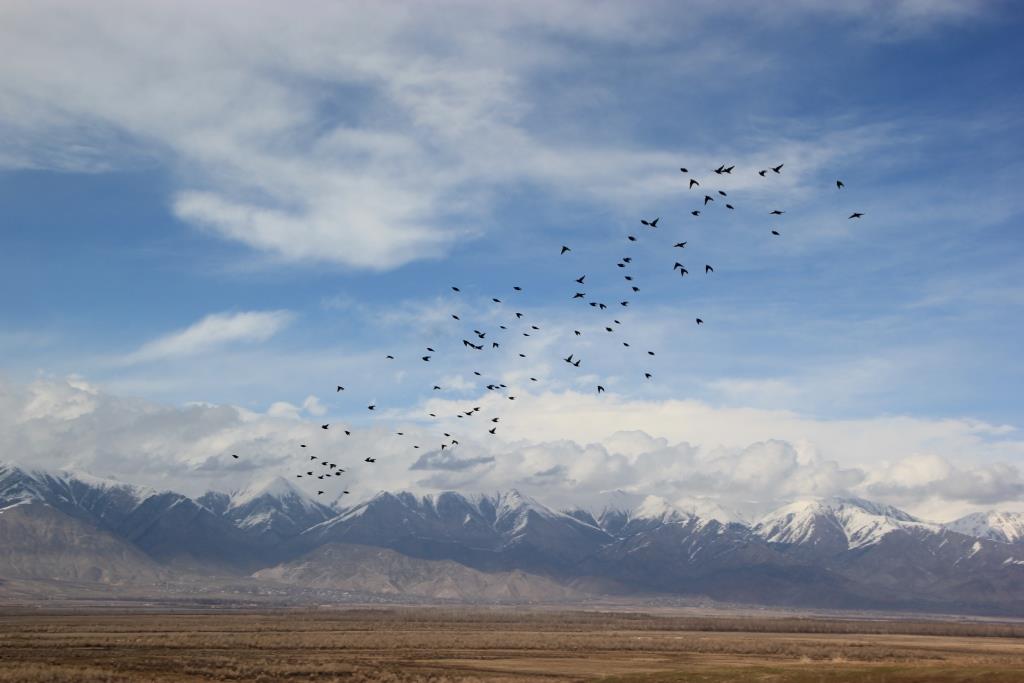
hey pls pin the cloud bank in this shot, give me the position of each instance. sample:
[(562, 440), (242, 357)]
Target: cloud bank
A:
[(681, 451)]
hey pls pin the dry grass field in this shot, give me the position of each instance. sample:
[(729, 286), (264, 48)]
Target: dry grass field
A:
[(433, 644)]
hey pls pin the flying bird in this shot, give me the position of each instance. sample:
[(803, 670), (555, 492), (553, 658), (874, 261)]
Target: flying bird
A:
[(840, 184), (456, 289), (695, 212), (580, 279), (681, 245), (775, 232), (778, 169), (600, 389), (708, 269), (631, 238), (761, 173), (699, 321), (856, 215), (234, 456), (324, 426), (651, 224), (565, 249), (776, 212), (340, 388), (692, 183)]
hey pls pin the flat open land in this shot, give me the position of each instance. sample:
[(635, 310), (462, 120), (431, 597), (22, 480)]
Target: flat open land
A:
[(434, 644)]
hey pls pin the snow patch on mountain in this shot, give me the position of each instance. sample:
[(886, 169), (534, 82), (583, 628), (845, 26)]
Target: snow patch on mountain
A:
[(1004, 527), (861, 522)]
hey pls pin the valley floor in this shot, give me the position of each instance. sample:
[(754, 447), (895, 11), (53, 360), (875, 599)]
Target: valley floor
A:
[(436, 644)]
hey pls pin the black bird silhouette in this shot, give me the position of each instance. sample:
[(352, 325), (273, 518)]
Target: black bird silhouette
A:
[(631, 238), (518, 289), (319, 493), (730, 206), (234, 456), (728, 169), (650, 353), (456, 317), (565, 249), (856, 215), (722, 192), (456, 289), (695, 212), (580, 279), (692, 183), (371, 407), (708, 269), (708, 198), (340, 388), (775, 232), (495, 345), (840, 184), (699, 321), (425, 358), (569, 359), (577, 332), (600, 389), (497, 301), (776, 212), (579, 295), (623, 303), (677, 265), (635, 288), (492, 430), (761, 173), (648, 375), (312, 457), (608, 329), (778, 169), (325, 426), (390, 357), (533, 379), (651, 224), (720, 170), (681, 245), (683, 170), (370, 460)]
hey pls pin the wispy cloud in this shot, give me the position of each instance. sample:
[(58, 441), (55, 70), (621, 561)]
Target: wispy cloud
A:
[(212, 332)]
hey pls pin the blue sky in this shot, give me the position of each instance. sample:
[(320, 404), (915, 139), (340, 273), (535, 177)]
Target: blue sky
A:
[(235, 208)]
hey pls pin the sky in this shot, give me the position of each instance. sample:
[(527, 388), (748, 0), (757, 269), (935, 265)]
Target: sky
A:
[(214, 214)]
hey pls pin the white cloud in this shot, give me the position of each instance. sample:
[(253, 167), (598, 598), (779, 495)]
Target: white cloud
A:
[(357, 133), (564, 448), (213, 331)]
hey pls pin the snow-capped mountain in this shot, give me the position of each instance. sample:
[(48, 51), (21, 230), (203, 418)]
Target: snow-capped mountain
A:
[(834, 552), (1005, 527), (273, 509), (622, 510), (836, 523), (167, 526)]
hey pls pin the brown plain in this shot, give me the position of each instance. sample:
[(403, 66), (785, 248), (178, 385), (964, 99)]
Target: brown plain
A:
[(435, 644)]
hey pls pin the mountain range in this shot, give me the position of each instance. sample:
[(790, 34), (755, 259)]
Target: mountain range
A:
[(72, 529)]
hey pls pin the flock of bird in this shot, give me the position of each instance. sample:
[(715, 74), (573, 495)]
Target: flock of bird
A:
[(323, 469)]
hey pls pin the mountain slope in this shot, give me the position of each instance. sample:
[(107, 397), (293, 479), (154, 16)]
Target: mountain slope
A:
[(40, 542), (365, 569)]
